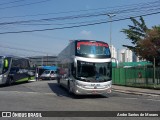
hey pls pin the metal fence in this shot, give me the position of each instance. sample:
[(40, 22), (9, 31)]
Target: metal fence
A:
[(137, 77)]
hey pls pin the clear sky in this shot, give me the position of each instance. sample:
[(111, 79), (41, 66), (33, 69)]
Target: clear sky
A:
[(16, 15)]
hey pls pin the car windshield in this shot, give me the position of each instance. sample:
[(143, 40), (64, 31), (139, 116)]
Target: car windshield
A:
[(94, 72), (46, 72), (1, 65)]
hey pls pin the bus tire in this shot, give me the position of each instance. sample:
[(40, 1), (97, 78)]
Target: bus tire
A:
[(10, 81), (58, 81), (69, 88)]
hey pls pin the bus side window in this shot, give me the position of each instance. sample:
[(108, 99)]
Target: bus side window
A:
[(107, 51), (14, 70)]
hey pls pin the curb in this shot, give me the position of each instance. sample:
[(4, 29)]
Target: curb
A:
[(136, 92)]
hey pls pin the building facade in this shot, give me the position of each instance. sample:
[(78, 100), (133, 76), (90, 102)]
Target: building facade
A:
[(44, 60), (126, 55), (113, 52)]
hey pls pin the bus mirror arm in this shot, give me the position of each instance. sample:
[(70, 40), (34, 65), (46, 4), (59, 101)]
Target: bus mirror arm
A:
[(6, 63), (115, 60)]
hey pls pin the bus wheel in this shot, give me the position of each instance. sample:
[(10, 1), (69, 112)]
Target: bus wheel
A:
[(69, 88), (58, 81), (10, 81)]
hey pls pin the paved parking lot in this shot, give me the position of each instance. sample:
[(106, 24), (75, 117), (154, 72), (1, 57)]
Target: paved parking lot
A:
[(48, 96)]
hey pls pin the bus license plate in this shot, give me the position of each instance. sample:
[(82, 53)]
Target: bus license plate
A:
[(94, 92), (95, 85)]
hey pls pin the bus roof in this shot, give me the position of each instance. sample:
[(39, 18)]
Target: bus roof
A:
[(86, 40), (49, 67)]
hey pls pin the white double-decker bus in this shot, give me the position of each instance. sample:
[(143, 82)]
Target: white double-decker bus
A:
[(85, 67)]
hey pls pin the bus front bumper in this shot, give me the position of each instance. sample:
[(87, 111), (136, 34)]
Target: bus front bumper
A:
[(83, 91)]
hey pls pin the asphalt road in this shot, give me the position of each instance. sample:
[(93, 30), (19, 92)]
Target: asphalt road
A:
[(48, 96)]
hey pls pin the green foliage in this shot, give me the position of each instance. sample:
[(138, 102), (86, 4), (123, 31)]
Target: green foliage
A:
[(146, 42), (135, 33)]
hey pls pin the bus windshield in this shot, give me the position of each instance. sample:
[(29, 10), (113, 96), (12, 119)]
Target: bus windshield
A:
[(1, 65), (94, 48), (93, 72)]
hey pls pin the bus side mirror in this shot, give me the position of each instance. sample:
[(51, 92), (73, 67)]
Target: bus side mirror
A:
[(114, 62), (5, 63)]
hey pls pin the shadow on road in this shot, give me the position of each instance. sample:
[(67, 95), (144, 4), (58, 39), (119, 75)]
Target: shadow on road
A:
[(58, 90), (14, 84), (62, 92)]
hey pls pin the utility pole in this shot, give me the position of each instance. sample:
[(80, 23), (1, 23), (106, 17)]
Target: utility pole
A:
[(110, 20), (42, 61), (47, 59), (154, 72)]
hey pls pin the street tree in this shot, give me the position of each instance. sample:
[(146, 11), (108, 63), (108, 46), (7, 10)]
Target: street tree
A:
[(149, 47), (145, 42)]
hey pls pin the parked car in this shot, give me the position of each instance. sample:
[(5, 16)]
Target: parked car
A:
[(49, 74)]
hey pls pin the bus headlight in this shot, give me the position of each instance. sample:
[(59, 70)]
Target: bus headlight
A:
[(80, 85), (108, 85)]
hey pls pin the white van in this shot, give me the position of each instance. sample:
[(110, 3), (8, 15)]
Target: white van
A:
[(49, 74)]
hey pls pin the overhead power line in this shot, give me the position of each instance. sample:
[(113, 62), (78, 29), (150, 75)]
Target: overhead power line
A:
[(76, 26), (82, 15), (22, 49), (7, 3), (57, 18), (21, 5), (67, 23), (76, 11), (145, 7), (148, 8), (91, 21)]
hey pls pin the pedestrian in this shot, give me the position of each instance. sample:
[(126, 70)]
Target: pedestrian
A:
[(36, 76)]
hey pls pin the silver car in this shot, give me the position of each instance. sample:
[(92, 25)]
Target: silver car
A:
[(49, 74)]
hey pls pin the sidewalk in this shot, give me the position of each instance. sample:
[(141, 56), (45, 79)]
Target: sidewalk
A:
[(137, 91)]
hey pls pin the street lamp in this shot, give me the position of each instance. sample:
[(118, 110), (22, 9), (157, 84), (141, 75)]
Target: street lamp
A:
[(110, 20)]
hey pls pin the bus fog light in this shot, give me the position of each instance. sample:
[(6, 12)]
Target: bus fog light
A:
[(109, 91), (80, 85), (108, 86)]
